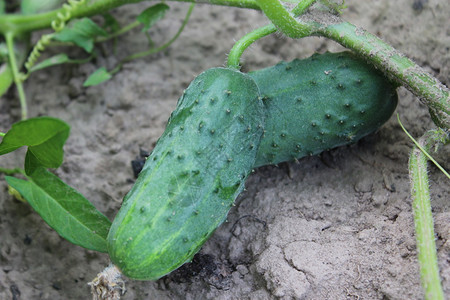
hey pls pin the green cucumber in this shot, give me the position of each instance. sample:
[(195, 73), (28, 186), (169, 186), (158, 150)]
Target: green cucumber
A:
[(192, 177), (319, 103)]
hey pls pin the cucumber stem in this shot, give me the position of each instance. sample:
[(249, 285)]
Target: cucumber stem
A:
[(16, 75), (162, 47), (438, 138), (423, 219), (158, 49), (284, 20), (121, 31), (14, 171), (19, 24), (239, 47), (302, 7)]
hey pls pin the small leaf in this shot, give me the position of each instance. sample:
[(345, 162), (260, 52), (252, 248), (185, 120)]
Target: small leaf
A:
[(111, 25), (57, 60), (31, 163), (152, 15), (64, 209), (52, 61), (6, 78), (99, 76), (82, 33), (3, 52), (45, 138)]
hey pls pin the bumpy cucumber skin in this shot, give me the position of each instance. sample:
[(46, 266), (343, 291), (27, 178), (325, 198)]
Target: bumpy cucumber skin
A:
[(192, 177), (315, 104)]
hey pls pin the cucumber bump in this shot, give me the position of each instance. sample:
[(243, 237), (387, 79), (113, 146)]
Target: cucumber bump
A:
[(315, 104)]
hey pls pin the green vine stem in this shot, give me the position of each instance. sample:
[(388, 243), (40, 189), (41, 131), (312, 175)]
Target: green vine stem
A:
[(11, 172), (57, 25), (239, 47), (423, 218), (121, 31), (424, 151), (16, 75), (302, 6), (284, 19), (157, 49), (167, 44), (19, 23)]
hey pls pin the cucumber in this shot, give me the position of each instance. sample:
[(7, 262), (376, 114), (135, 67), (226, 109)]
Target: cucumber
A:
[(319, 103), (192, 177)]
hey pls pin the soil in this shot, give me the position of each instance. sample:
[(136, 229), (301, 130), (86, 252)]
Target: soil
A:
[(334, 226)]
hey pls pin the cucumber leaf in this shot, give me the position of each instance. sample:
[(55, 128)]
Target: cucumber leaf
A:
[(6, 78), (110, 23), (100, 75), (51, 61), (45, 138), (152, 15), (64, 209), (3, 52), (82, 33), (58, 59)]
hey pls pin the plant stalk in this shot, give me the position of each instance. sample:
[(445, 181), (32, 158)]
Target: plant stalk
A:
[(16, 76), (157, 49), (284, 20), (168, 43), (302, 6), (239, 47), (27, 23), (14, 171), (423, 219)]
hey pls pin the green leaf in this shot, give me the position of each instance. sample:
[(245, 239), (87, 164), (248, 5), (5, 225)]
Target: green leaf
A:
[(57, 60), (100, 75), (152, 15), (6, 78), (110, 23), (45, 138), (32, 6), (2, 7), (82, 33), (31, 163), (52, 61), (64, 209), (3, 51)]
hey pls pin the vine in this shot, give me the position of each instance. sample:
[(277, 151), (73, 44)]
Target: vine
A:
[(57, 25)]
